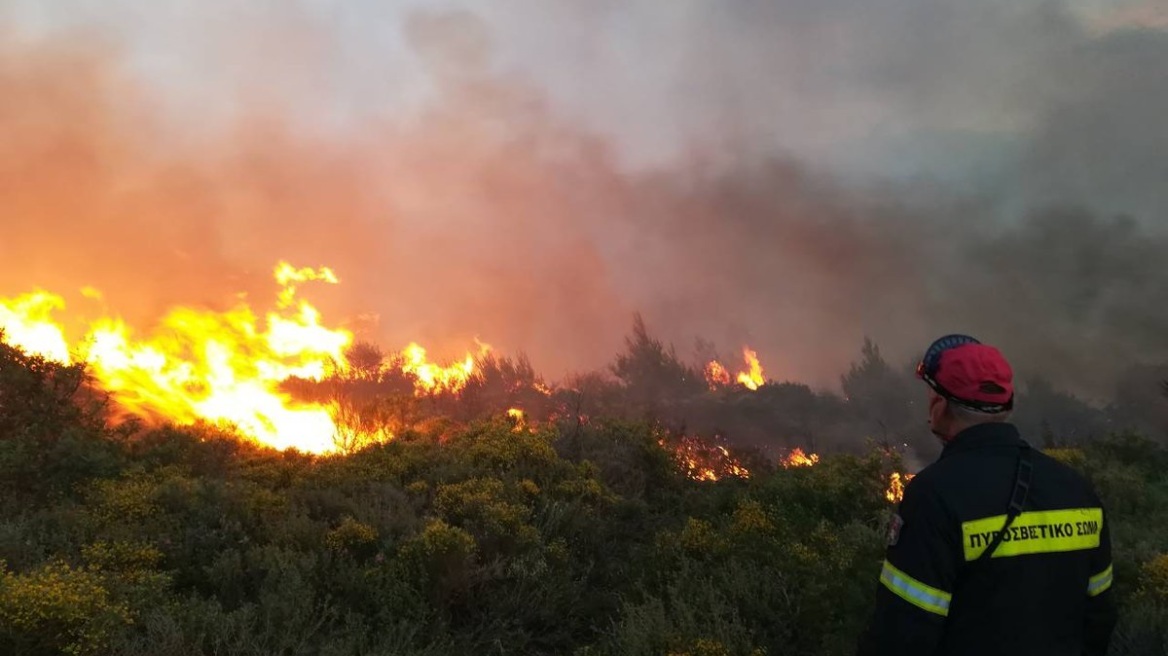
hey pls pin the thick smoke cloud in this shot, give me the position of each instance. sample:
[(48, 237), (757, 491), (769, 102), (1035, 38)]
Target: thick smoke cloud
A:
[(791, 175)]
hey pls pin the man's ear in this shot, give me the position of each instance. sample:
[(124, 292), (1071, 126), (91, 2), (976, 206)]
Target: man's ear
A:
[(938, 408), (938, 405)]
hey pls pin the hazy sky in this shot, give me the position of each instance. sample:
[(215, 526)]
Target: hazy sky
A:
[(869, 86)]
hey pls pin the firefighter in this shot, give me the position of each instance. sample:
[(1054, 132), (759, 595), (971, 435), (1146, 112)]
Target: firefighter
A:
[(996, 547)]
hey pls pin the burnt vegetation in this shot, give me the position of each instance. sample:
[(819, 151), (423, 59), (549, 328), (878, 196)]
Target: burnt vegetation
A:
[(566, 530)]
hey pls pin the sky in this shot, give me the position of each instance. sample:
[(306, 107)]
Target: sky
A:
[(843, 82), (794, 173)]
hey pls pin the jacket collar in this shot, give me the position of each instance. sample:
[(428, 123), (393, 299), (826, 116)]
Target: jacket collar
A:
[(983, 435)]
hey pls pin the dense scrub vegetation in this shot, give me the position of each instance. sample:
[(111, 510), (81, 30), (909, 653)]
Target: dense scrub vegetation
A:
[(476, 536), (651, 382)]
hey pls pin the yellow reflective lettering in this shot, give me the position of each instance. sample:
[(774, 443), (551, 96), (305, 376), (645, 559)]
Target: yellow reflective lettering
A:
[(1039, 531)]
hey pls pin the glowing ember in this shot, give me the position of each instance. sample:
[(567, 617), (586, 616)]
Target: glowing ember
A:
[(434, 378), (705, 462), (797, 458), (27, 325), (752, 379), (716, 375), (896, 483)]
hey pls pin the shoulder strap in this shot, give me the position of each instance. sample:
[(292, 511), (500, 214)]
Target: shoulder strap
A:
[(1017, 499)]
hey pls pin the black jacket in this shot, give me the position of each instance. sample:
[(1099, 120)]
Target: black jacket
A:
[(1045, 590)]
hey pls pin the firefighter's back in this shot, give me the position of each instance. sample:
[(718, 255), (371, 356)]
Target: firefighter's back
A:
[(1033, 593), (953, 581)]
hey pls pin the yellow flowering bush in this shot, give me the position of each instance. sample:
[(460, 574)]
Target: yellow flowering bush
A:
[(700, 538), (1069, 456), (703, 647), (1154, 579), (120, 556), (130, 499), (351, 536), (485, 507), (750, 518), (57, 608)]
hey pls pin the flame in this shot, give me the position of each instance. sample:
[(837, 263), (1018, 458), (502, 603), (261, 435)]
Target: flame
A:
[(704, 462), (27, 325), (754, 378), (716, 375), (204, 365), (286, 274), (797, 458), (518, 419), (433, 378), (896, 483), (227, 367)]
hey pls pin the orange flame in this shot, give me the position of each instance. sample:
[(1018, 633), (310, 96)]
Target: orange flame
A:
[(896, 483), (434, 378), (797, 458), (518, 419), (204, 365), (227, 367), (703, 462), (27, 325), (716, 375), (752, 379)]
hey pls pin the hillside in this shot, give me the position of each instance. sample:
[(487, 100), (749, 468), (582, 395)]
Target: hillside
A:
[(485, 537)]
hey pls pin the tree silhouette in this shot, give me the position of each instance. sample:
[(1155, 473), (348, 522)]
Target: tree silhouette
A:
[(880, 396), (365, 360), (651, 373)]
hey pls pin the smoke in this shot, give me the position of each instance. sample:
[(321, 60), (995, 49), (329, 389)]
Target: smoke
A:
[(791, 175)]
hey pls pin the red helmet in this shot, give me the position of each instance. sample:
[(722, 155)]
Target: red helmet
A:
[(968, 373)]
